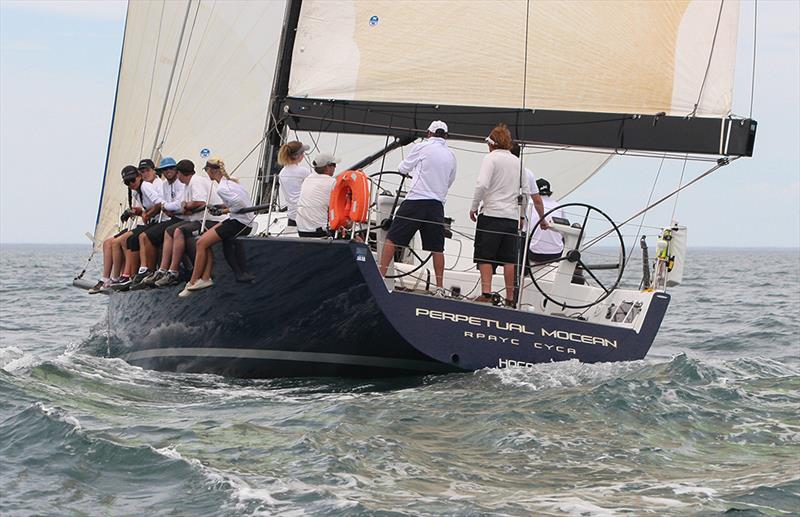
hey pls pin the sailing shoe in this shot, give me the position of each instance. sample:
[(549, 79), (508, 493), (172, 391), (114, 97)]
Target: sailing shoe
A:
[(186, 291), (169, 278), (137, 282), (153, 277), (97, 287), (200, 284), (123, 284)]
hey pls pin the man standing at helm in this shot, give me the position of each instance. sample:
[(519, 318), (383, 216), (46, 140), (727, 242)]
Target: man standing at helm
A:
[(432, 167)]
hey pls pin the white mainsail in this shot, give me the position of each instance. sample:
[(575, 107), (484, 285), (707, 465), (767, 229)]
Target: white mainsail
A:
[(185, 89), (615, 56)]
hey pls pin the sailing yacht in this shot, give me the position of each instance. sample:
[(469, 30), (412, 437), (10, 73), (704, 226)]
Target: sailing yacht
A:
[(578, 83)]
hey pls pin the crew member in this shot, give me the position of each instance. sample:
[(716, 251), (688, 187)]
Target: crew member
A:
[(546, 245), (432, 167), (153, 238), (537, 206), (113, 255), (496, 194), (315, 196), (291, 176), (198, 194), (234, 197)]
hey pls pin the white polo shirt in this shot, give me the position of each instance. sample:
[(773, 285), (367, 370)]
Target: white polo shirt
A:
[(235, 197), (547, 241), (432, 166), (291, 179), (151, 193), (498, 185), (198, 190), (172, 194), (312, 207)]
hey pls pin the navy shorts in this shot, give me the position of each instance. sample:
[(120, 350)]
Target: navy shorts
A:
[(231, 228), (133, 241), (425, 215), (496, 240), (156, 232)]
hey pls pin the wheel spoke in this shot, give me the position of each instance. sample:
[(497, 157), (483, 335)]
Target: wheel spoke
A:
[(583, 228), (594, 277)]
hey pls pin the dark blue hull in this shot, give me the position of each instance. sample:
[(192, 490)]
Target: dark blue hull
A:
[(320, 308)]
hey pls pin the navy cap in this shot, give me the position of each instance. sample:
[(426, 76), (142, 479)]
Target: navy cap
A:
[(129, 172), (185, 167), (544, 187)]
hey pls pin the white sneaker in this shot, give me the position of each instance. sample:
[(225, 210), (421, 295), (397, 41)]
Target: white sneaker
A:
[(200, 284), (440, 293), (186, 291)]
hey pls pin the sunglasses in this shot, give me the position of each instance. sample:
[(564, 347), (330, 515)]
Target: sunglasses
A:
[(213, 167)]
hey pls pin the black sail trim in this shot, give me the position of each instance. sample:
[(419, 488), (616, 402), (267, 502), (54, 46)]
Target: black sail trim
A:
[(620, 131)]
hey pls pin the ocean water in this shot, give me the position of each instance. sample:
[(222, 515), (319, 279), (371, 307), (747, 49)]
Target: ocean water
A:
[(708, 424)]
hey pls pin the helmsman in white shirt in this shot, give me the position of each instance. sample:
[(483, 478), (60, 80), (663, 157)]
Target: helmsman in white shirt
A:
[(432, 167), (546, 245), (315, 195)]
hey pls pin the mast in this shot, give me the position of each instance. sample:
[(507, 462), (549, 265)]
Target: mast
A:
[(280, 88)]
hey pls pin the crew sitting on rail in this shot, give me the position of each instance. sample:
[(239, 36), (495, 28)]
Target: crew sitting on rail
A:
[(315, 196), (432, 167), (113, 255), (148, 192), (154, 237), (291, 176), (234, 197), (199, 193)]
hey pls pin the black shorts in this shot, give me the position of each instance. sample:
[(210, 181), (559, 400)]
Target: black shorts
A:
[(156, 232), (538, 258), (231, 228), (319, 232), (425, 215), (189, 227), (133, 241), (495, 240)]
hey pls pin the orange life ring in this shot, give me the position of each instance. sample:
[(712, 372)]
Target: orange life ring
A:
[(349, 200)]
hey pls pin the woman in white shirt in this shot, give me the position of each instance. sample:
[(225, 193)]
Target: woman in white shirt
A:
[(234, 197), (291, 155), (496, 193)]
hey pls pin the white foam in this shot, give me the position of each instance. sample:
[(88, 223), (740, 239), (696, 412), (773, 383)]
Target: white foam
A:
[(60, 415)]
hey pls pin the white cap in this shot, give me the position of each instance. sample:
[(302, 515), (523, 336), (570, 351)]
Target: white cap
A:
[(323, 159), (436, 125)]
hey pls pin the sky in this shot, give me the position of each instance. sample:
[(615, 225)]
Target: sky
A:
[(58, 71)]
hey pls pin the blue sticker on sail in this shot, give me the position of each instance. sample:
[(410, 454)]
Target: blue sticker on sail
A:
[(204, 152), (373, 21)]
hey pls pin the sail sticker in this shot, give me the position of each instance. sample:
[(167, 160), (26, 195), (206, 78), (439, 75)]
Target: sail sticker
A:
[(373, 21), (204, 152)]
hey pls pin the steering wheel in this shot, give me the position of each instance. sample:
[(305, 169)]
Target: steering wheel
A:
[(575, 255)]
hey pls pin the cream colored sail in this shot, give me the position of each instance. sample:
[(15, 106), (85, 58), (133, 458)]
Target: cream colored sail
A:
[(618, 56), (212, 86)]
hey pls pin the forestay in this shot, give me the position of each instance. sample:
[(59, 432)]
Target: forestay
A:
[(194, 75)]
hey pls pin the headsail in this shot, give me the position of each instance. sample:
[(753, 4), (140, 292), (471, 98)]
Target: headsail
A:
[(588, 69), (210, 80)]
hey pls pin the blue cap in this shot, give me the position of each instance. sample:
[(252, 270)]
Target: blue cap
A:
[(167, 162)]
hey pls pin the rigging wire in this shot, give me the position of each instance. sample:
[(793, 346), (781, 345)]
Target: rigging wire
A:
[(753, 74), (152, 80), (641, 222), (680, 181), (175, 100), (710, 57)]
